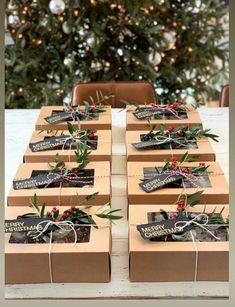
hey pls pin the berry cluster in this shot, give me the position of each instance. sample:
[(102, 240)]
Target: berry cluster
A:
[(91, 135), (54, 213), (170, 130), (175, 164), (175, 105)]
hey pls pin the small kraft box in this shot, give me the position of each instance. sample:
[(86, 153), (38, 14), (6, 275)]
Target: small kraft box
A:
[(146, 183), (54, 189), (194, 255), (138, 119), (44, 145), (86, 259), (56, 117), (201, 148)]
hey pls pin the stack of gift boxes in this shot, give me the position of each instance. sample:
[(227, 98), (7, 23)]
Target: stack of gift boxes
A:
[(177, 196), (66, 179)]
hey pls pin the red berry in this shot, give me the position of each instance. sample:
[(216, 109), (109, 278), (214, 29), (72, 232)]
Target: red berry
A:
[(181, 203), (72, 207), (202, 164), (208, 214), (49, 213), (92, 107), (173, 159), (180, 208), (58, 220), (174, 216), (64, 215), (91, 135), (54, 209)]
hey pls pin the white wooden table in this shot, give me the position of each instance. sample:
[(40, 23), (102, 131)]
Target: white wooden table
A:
[(19, 125)]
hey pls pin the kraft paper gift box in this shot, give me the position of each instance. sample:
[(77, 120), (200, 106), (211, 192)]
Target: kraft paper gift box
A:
[(80, 262), (103, 122), (204, 150), (61, 196), (215, 192), (101, 153), (170, 261), (132, 123)]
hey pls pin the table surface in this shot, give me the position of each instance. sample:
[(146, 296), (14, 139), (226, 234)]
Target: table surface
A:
[(19, 125)]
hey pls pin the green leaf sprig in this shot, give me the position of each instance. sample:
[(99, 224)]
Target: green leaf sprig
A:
[(82, 158), (181, 133), (75, 214), (185, 201)]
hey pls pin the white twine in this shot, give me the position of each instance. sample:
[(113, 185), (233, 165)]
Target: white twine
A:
[(64, 226), (175, 140), (77, 139), (163, 108), (193, 240), (193, 221)]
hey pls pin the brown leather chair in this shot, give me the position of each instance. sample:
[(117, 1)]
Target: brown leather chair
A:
[(224, 97), (138, 91)]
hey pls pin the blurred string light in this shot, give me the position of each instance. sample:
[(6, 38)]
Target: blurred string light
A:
[(164, 50)]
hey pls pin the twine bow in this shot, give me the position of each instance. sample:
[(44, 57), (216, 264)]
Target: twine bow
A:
[(71, 177), (64, 225), (185, 143), (193, 221)]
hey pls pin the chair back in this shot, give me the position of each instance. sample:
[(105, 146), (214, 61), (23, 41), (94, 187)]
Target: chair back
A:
[(138, 91)]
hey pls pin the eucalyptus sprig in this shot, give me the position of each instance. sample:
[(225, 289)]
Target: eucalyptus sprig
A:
[(82, 158), (175, 164), (75, 214), (93, 105), (181, 133), (84, 135), (185, 201)]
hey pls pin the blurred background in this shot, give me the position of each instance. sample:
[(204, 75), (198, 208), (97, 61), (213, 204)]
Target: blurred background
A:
[(181, 47)]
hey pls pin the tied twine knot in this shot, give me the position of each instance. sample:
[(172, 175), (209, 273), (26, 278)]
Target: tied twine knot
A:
[(75, 113), (71, 177), (63, 225), (179, 141), (77, 139), (190, 177), (193, 221)]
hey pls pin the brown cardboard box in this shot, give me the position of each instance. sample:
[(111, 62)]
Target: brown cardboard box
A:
[(218, 193), (132, 123), (204, 149), (82, 262), (62, 196), (159, 261), (104, 122), (102, 153)]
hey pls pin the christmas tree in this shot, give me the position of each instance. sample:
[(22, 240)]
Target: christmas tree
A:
[(178, 45)]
